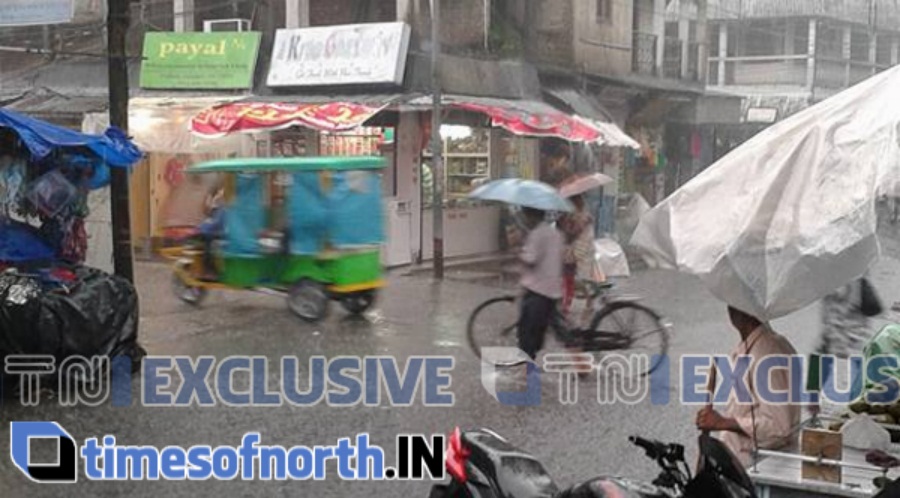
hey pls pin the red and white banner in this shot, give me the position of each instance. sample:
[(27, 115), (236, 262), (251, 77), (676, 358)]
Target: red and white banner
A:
[(250, 117), (535, 124)]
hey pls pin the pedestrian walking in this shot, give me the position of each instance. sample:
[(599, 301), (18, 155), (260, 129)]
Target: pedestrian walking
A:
[(541, 280), (579, 260)]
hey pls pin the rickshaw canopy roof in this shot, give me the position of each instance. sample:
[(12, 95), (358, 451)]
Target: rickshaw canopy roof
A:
[(292, 164)]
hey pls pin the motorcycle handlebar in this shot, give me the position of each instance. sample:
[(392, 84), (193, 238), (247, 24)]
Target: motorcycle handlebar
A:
[(654, 449)]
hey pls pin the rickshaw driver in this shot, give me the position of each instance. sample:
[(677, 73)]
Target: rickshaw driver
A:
[(211, 230)]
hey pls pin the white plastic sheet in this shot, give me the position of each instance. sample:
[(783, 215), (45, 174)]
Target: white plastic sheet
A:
[(611, 258), (790, 215)]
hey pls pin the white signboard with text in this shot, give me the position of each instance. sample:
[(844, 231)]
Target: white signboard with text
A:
[(31, 12), (340, 55)]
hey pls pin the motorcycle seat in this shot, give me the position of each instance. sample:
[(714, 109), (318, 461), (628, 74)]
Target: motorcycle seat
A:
[(515, 472)]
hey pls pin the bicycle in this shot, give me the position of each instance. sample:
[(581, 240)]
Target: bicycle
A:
[(618, 325)]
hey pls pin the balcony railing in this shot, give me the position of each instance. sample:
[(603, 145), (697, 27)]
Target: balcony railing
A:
[(672, 58), (644, 53), (790, 70)]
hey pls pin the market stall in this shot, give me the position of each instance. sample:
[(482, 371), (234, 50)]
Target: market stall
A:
[(50, 303), (484, 139)]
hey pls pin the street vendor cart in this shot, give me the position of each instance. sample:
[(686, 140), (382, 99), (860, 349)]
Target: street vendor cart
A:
[(779, 475), (51, 304)]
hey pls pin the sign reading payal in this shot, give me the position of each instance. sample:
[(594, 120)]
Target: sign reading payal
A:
[(199, 61), (340, 55)]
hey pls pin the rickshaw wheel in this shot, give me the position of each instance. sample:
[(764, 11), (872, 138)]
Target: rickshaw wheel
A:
[(187, 293), (358, 303), (308, 300)]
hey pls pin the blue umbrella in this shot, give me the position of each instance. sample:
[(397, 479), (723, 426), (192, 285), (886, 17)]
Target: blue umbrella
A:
[(525, 193)]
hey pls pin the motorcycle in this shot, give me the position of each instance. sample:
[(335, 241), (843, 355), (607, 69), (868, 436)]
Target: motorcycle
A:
[(482, 464)]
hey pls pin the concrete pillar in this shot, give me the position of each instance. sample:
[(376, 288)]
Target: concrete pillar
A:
[(404, 10), (659, 29), (723, 51), (847, 52), (895, 51), (811, 56), (790, 33), (873, 52), (703, 45), (684, 34), (183, 11), (408, 147), (296, 13)]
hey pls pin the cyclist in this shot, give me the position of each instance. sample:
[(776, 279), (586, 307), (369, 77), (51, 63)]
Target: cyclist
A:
[(541, 280)]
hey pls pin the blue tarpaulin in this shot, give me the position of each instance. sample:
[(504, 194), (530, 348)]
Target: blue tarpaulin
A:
[(20, 243), (42, 138)]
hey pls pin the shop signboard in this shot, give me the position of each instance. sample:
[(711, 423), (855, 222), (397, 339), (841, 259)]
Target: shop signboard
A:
[(199, 61), (32, 12), (373, 53)]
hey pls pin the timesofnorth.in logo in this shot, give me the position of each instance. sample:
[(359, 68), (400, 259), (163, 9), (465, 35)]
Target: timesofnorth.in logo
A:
[(418, 457), (62, 471)]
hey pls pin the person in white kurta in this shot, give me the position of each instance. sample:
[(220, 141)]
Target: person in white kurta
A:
[(775, 423)]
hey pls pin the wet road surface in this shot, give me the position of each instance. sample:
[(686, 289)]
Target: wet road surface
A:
[(413, 317)]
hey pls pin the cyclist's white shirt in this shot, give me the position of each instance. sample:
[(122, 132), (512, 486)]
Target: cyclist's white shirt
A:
[(543, 254)]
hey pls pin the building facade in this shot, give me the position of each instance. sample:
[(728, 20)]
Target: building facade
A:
[(637, 64), (781, 57)]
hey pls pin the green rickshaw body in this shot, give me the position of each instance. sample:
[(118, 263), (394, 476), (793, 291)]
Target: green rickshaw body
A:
[(333, 222)]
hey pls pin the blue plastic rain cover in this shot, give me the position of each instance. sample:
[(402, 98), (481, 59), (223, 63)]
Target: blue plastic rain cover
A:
[(308, 214), (355, 206), (245, 218), (42, 138), (338, 209), (20, 243)]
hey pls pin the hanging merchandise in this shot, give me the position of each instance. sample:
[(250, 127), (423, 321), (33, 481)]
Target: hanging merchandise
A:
[(74, 243), (51, 193), (696, 145), (660, 162), (11, 179)]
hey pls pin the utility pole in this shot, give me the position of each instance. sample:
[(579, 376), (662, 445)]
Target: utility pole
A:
[(437, 145), (117, 21)]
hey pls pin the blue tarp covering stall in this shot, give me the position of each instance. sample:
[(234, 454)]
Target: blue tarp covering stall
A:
[(41, 139), (50, 304), (28, 187)]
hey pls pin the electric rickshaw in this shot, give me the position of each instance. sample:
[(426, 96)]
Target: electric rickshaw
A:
[(308, 228)]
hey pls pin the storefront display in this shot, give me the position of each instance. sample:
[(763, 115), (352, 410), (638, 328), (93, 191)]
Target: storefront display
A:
[(363, 141)]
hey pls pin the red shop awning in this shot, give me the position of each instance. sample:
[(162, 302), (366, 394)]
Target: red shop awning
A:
[(537, 119), (263, 116), (550, 123)]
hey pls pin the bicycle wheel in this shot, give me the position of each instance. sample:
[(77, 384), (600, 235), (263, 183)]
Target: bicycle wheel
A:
[(493, 325), (635, 329)]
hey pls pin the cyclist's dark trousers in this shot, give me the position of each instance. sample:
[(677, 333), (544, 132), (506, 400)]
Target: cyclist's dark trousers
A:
[(534, 318)]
